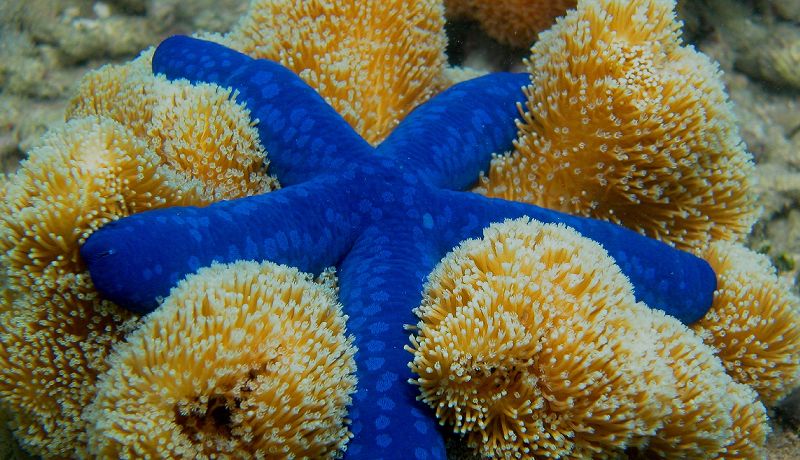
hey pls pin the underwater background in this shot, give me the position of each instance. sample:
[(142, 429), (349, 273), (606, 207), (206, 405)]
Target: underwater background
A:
[(46, 46)]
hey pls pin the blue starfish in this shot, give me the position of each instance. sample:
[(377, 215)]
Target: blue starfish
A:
[(383, 216)]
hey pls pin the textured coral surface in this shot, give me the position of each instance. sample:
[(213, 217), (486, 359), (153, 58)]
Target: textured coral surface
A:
[(261, 366), (530, 342), (372, 61), (624, 124)]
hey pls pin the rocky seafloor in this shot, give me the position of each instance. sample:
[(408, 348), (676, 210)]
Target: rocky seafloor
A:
[(47, 45)]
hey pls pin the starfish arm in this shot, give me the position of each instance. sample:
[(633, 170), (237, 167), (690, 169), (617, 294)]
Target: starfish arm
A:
[(450, 139), (380, 283), (303, 135), (663, 277), (136, 260)]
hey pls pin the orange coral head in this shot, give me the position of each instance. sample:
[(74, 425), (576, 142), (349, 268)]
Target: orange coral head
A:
[(87, 173), (525, 345), (125, 149), (530, 342), (754, 322), (373, 61), (245, 360), (515, 22), (52, 351), (55, 333), (711, 416), (205, 140), (623, 123)]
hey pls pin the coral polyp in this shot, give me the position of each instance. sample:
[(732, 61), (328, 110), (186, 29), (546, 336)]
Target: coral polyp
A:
[(243, 360)]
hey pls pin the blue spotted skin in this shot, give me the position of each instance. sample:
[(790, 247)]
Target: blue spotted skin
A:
[(383, 216)]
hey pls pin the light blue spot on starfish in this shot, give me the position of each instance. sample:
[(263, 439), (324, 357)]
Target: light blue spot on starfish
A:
[(383, 216), (382, 422)]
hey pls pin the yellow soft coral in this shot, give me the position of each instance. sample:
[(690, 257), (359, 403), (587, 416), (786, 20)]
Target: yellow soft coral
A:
[(515, 22), (56, 333), (623, 123), (52, 352), (205, 139), (749, 429), (372, 61), (753, 322), (87, 173), (525, 345), (531, 343), (700, 423), (133, 142), (241, 361), (120, 92)]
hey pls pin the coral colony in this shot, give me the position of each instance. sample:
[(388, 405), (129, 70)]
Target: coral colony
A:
[(221, 255), (343, 204)]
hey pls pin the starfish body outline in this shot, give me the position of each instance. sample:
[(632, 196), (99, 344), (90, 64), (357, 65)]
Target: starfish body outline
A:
[(383, 216)]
